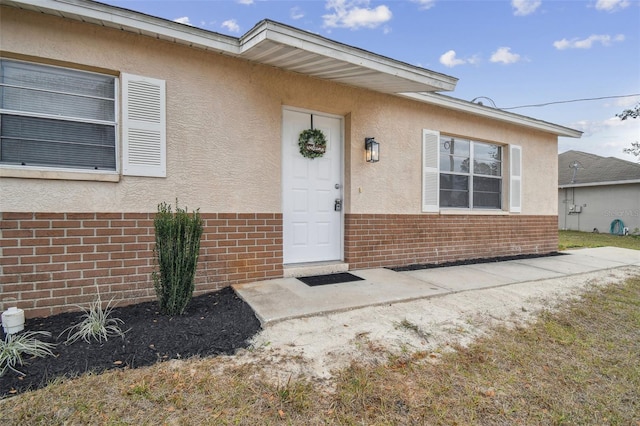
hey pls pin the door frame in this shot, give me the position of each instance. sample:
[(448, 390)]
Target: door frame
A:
[(342, 173)]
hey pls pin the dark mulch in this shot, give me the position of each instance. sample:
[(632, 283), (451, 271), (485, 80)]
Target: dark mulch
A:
[(416, 267), (213, 324)]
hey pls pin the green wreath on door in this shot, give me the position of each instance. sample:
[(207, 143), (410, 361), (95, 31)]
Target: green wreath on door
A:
[(312, 143)]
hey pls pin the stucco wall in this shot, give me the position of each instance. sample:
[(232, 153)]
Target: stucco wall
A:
[(599, 205), (224, 130)]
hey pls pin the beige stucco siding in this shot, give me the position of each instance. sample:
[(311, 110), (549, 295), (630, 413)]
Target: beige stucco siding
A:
[(224, 120)]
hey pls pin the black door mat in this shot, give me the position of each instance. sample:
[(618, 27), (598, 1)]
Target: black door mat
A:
[(341, 277)]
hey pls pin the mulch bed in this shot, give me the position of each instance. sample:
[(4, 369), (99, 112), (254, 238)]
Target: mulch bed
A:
[(417, 267), (213, 324)]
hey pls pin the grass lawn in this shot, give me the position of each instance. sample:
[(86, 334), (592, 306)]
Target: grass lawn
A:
[(577, 239)]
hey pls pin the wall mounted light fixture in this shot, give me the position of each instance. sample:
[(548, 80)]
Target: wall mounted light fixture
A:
[(372, 149)]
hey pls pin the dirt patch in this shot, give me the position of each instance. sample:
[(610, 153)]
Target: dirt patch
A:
[(213, 324), (317, 347)]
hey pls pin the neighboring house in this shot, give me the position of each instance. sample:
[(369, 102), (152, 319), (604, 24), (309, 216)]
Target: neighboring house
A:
[(595, 191), (107, 112)]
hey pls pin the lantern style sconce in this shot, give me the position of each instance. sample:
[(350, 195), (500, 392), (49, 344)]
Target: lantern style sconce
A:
[(372, 149)]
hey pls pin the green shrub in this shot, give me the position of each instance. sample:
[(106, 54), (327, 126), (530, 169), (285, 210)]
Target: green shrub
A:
[(176, 252)]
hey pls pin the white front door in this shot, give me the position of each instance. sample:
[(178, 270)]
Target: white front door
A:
[(312, 224)]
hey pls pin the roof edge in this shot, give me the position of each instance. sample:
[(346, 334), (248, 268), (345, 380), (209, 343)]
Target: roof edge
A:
[(493, 113), (613, 182)]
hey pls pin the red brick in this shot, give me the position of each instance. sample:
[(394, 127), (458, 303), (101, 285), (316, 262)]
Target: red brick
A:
[(17, 233), (32, 224), (81, 232), (67, 275), (18, 269), (8, 243), (16, 216), (9, 224)]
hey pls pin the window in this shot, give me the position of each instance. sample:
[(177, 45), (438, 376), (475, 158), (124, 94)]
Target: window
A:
[(56, 117), (470, 174)]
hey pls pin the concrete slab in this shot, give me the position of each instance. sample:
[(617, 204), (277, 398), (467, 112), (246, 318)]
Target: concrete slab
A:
[(460, 278), (616, 254), (517, 272), (286, 298), (557, 264)]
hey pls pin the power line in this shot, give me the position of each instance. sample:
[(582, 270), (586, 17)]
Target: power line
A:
[(573, 100)]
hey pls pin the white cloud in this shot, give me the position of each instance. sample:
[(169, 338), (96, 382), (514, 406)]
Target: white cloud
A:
[(183, 20), (606, 138), (355, 14), (504, 55), (450, 60), (588, 42), (231, 25), (245, 1), (296, 13), (626, 102), (425, 4), (612, 5), (525, 7)]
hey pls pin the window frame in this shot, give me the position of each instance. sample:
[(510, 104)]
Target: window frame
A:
[(67, 172), (471, 174)]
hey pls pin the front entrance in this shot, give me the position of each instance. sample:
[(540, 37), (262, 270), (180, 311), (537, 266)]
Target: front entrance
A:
[(312, 191)]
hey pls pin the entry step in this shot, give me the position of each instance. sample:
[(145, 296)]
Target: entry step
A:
[(313, 268)]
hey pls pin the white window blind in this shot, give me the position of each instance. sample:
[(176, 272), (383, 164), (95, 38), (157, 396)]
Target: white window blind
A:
[(56, 117)]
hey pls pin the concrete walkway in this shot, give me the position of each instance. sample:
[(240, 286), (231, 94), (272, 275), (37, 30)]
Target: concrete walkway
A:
[(286, 298)]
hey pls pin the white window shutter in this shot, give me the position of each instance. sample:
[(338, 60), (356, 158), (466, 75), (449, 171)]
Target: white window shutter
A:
[(515, 179), (144, 145), (430, 170)]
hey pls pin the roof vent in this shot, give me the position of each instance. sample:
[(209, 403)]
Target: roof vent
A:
[(575, 165)]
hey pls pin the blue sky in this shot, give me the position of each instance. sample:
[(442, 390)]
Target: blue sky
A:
[(515, 52)]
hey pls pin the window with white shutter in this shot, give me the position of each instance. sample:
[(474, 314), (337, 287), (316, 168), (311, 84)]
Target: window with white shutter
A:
[(143, 126)]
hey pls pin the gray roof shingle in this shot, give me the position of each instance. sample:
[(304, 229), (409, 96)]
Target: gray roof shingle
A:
[(594, 169)]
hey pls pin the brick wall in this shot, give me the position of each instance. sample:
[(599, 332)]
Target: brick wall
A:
[(377, 240), (51, 261)]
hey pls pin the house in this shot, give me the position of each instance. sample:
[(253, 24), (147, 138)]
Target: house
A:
[(107, 112), (595, 191)]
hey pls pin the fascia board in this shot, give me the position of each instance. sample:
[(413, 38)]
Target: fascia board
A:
[(587, 184), (139, 22), (493, 113)]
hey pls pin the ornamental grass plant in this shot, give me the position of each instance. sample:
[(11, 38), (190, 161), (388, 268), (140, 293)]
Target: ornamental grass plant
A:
[(15, 346), (176, 251), (96, 325)]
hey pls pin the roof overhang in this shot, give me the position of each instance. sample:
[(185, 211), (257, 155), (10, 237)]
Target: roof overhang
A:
[(586, 184), (492, 113), (268, 42)]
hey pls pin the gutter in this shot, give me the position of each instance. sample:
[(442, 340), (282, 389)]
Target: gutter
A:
[(614, 182)]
